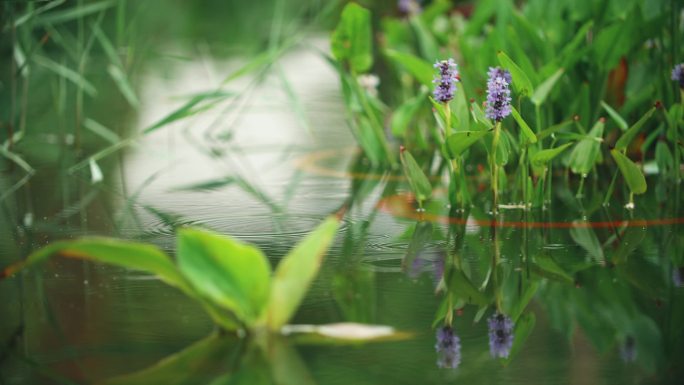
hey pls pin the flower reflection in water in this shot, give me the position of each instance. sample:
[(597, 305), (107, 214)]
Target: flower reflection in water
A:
[(500, 335), (448, 348)]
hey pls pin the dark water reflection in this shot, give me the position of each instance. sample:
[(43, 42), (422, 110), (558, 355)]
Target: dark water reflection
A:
[(605, 302)]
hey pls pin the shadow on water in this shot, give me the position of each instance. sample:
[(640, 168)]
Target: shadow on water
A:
[(586, 293)]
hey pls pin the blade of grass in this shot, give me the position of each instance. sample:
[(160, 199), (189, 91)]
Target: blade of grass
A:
[(66, 72), (72, 13)]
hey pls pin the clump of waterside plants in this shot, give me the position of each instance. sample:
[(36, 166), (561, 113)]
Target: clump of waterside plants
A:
[(571, 85), (230, 279)]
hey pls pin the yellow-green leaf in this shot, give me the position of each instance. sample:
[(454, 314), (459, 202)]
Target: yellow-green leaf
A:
[(296, 271)]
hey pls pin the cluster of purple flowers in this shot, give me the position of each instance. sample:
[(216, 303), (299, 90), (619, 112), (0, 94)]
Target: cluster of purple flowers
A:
[(448, 348), (500, 335), (678, 74), (445, 81), (409, 7), (498, 94)]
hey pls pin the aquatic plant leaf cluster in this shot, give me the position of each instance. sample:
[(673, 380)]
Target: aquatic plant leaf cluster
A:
[(558, 74), (230, 279)]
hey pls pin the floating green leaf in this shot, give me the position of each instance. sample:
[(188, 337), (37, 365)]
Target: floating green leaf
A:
[(416, 178), (520, 80), (229, 273), (352, 39), (630, 171), (296, 271)]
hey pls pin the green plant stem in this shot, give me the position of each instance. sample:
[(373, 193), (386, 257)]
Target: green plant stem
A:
[(375, 121), (495, 167), (455, 169), (580, 189), (611, 188), (495, 264), (677, 152)]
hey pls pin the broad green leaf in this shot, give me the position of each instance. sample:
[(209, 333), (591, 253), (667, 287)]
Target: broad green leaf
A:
[(524, 128), (352, 40), (586, 152), (199, 363), (416, 178), (542, 91), (520, 80), (629, 135), (130, 255), (457, 143), (422, 70), (615, 116), (523, 329), (296, 271), (232, 274), (630, 171), (544, 156), (402, 116), (461, 286)]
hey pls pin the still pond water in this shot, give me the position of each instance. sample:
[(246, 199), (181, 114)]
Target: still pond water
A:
[(266, 167)]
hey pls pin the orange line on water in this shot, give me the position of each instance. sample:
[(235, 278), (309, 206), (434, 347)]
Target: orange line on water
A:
[(310, 163), (400, 206)]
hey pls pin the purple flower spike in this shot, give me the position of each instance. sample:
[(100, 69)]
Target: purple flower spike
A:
[(448, 348), (409, 7), (678, 74), (500, 335), (498, 94), (445, 83)]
